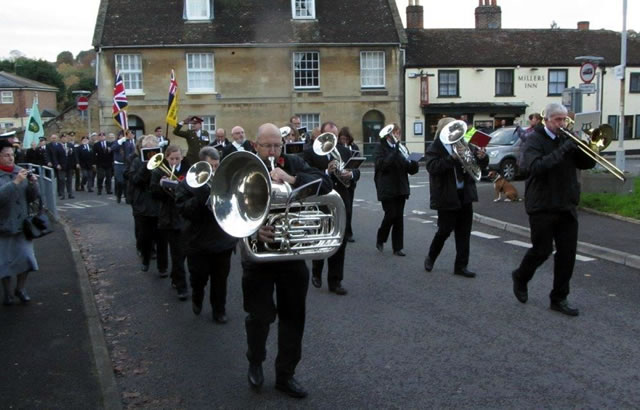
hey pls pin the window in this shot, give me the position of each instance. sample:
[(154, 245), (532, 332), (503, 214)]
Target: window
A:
[(7, 97), (6, 125), (557, 82), (209, 124), (197, 10), (309, 121), (628, 127), (448, 83), (613, 121), (306, 69), (634, 84), (200, 73), (504, 83), (637, 126), (372, 67), (130, 66), (303, 9)]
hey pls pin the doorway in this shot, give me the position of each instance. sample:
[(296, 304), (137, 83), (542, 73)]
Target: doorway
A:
[(136, 125), (372, 123)]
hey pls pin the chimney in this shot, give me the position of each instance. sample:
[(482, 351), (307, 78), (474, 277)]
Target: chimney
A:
[(415, 15), (488, 15), (583, 26)]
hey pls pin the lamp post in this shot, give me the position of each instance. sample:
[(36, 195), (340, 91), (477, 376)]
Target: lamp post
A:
[(621, 70)]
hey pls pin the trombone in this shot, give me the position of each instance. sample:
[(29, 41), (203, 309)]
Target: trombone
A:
[(599, 139)]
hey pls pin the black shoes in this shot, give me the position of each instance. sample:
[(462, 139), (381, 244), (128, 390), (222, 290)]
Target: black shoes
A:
[(519, 289), (350, 239), (399, 253), (428, 264), (338, 290), (464, 272), (196, 302), (144, 268), (61, 196), (220, 318), (562, 306), (71, 197), (22, 295), (8, 300), (183, 294), (316, 281), (255, 376), (380, 246), (99, 192), (291, 387), (163, 274)]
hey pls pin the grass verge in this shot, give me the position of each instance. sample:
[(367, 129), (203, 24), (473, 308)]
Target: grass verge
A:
[(625, 205)]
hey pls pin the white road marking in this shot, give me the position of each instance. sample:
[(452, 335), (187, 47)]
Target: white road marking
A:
[(484, 235), (519, 243), (584, 258), (415, 211)]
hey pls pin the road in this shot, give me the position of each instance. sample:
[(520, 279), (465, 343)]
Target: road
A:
[(401, 338)]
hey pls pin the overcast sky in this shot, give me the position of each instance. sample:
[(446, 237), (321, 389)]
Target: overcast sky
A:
[(44, 28)]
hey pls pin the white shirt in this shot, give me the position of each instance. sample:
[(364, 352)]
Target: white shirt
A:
[(550, 134)]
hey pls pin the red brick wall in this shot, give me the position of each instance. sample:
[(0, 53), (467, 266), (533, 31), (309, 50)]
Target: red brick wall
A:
[(24, 99)]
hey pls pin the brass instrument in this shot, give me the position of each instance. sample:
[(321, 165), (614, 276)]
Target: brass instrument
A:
[(326, 144), (199, 174), (388, 130), (453, 134), (157, 161), (243, 199), (599, 139)]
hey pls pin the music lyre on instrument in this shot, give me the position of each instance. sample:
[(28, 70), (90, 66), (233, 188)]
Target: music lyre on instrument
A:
[(453, 134)]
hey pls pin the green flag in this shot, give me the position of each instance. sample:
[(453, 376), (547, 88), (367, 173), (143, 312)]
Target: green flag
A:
[(34, 129)]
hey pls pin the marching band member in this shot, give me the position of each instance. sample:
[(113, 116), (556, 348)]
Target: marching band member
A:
[(290, 279), (346, 139), (452, 192), (196, 137), (392, 188), (207, 247)]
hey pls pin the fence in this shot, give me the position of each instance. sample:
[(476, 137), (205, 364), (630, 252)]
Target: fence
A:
[(47, 184)]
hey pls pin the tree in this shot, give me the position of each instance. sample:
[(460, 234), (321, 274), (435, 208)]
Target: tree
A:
[(554, 25), (65, 58), (38, 70), (16, 54)]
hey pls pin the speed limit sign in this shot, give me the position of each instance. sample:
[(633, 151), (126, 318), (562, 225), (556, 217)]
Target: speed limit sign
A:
[(587, 72)]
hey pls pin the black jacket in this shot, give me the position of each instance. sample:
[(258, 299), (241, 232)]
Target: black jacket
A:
[(391, 169), (552, 184), (321, 162), (85, 156), (443, 191), (104, 157), (231, 148), (169, 217), (142, 201)]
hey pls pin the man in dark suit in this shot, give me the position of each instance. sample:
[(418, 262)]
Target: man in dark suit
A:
[(328, 165), (122, 150), (196, 137), (239, 142), (104, 163), (42, 156), (66, 160), (55, 154), (86, 159)]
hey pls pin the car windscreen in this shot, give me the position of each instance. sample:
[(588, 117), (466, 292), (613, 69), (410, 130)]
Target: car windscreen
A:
[(504, 136)]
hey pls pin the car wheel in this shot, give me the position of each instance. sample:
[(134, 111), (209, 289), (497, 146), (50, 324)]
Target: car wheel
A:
[(508, 169)]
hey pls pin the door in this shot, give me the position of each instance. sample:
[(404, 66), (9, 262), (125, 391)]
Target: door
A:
[(372, 124)]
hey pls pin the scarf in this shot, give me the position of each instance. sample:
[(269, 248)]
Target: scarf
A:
[(7, 169)]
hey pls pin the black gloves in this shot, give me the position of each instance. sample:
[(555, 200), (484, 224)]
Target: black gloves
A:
[(567, 146)]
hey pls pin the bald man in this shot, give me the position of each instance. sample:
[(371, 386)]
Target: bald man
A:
[(240, 143), (290, 279)]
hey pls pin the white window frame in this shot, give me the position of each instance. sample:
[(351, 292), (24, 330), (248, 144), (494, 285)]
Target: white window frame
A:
[(364, 59), (310, 7), (308, 120), (7, 97), (188, 16), (293, 67), (128, 73), (191, 71), (209, 123)]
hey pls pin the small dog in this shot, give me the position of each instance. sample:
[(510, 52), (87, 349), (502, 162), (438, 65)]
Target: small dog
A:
[(502, 186)]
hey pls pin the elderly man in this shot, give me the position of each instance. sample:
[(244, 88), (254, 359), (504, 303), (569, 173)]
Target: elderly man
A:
[(104, 163), (239, 142), (553, 193), (196, 137), (290, 279), (221, 141)]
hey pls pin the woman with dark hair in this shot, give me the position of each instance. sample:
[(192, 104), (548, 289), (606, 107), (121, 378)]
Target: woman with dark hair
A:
[(17, 190), (346, 139)]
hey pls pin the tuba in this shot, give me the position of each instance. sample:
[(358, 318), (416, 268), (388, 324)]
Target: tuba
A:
[(243, 198), (453, 134), (326, 144)]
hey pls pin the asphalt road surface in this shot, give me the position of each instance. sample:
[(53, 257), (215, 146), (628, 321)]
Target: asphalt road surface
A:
[(401, 338)]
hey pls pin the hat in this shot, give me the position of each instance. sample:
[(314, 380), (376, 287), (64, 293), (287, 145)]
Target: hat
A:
[(195, 119), (9, 134), (42, 138), (94, 134), (442, 123)]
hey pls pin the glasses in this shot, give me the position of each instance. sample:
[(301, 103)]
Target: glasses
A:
[(274, 147)]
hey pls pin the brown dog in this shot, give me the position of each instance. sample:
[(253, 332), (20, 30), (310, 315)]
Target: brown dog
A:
[(502, 186)]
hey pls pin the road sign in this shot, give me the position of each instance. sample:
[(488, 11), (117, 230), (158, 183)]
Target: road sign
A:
[(587, 88), (82, 103), (587, 72), (618, 71)]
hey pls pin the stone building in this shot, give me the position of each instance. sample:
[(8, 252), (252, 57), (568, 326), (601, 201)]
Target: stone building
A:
[(16, 98)]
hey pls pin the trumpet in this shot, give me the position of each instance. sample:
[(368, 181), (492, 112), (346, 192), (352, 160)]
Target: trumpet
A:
[(599, 139), (326, 144), (388, 130), (157, 161)]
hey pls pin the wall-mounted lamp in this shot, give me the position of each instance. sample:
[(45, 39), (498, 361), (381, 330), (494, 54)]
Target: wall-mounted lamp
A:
[(478, 70), (534, 69)]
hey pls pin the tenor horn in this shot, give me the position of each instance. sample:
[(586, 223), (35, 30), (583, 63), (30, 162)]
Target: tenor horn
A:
[(327, 144), (453, 134), (388, 130), (199, 174)]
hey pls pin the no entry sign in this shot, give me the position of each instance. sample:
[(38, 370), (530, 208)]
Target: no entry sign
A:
[(82, 103)]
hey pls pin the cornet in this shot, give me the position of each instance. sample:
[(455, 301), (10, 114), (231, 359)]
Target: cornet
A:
[(388, 130), (157, 161)]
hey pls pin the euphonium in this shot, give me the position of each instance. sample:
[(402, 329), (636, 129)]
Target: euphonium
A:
[(453, 134), (388, 130), (326, 144), (243, 198)]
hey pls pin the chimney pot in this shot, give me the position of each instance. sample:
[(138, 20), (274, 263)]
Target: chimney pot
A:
[(415, 15), (583, 25)]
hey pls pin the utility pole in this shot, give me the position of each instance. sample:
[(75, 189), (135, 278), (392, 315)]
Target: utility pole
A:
[(620, 155)]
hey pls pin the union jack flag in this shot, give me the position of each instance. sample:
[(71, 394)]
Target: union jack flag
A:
[(120, 103)]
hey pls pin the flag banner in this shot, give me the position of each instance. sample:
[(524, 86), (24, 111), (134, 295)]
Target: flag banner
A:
[(120, 103), (172, 107), (34, 129)]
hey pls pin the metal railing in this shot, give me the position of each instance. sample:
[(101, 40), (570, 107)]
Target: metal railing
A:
[(47, 184)]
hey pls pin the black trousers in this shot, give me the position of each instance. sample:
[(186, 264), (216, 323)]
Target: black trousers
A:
[(148, 234), (547, 228), (77, 176), (215, 266), (348, 233), (87, 178), (65, 178), (104, 178), (291, 282), (178, 274), (335, 263), (458, 221), (393, 222)]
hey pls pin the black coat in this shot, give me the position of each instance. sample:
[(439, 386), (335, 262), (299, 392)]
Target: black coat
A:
[(552, 184), (391, 169), (85, 156), (231, 148), (169, 217), (443, 191), (142, 201), (321, 162), (32, 156), (104, 157), (42, 156), (56, 153)]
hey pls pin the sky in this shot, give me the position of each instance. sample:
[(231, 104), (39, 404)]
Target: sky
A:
[(67, 25)]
